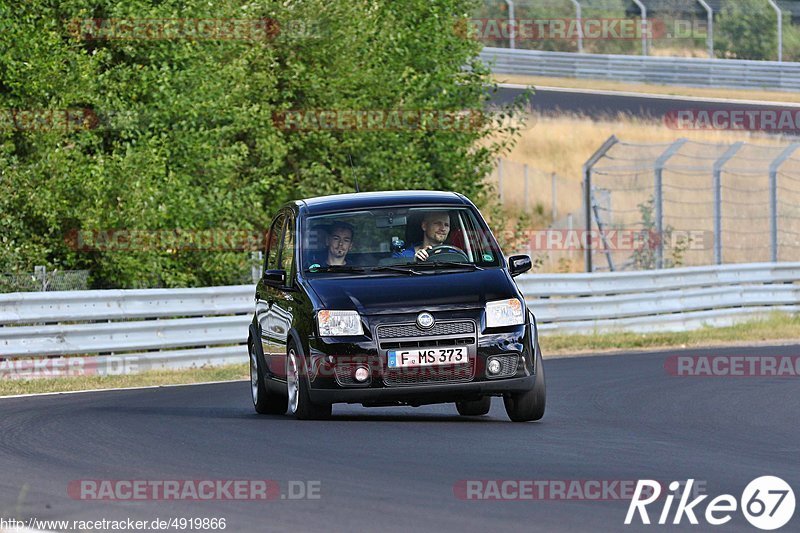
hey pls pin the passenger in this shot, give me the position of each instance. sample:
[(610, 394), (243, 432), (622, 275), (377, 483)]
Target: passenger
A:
[(435, 230)]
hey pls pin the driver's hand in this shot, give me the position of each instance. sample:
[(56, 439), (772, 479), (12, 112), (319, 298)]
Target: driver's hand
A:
[(422, 254)]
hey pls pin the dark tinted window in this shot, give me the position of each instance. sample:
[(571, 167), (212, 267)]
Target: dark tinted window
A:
[(287, 250), (274, 242)]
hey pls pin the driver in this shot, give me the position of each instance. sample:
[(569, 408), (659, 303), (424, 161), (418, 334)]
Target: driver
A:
[(337, 244), (435, 229)]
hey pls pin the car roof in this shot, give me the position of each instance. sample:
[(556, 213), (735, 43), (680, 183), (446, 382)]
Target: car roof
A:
[(372, 200)]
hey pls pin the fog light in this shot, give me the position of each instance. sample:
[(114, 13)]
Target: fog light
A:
[(361, 374), (493, 366)]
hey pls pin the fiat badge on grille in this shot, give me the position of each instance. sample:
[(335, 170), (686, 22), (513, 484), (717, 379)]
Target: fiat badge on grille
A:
[(425, 320)]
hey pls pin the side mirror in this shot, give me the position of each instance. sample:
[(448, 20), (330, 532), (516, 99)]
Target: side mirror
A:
[(275, 277), (519, 264)]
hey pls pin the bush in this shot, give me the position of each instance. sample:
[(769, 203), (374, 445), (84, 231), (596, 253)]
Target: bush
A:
[(186, 137), (747, 29)]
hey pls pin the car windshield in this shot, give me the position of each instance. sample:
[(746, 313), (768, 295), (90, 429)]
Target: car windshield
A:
[(389, 240)]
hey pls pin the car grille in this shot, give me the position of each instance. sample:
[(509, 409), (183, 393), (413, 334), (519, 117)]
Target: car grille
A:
[(508, 366), (430, 374), (427, 343), (444, 333), (439, 328)]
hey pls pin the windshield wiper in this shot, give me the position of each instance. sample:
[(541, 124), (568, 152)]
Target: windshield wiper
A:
[(336, 268), (401, 269), (447, 264)]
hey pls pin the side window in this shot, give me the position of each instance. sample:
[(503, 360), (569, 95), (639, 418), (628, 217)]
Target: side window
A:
[(287, 250), (274, 242)]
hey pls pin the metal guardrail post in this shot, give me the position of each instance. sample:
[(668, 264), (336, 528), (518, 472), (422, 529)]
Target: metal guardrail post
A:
[(718, 166), (512, 22), (780, 28), (587, 195), (773, 197), (710, 30), (645, 29), (579, 17), (658, 197)]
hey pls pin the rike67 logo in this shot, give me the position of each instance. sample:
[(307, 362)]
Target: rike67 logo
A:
[(767, 503)]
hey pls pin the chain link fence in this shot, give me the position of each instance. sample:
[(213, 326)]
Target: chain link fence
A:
[(693, 203), (536, 202), (43, 280)]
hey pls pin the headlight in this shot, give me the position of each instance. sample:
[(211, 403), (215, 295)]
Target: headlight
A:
[(504, 313), (339, 323)]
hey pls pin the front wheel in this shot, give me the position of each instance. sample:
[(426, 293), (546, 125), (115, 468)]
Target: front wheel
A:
[(300, 404), (529, 405), (264, 401)]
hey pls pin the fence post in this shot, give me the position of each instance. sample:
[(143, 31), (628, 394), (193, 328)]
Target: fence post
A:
[(40, 273), (587, 196), (645, 29), (658, 198), (710, 30), (718, 166), (511, 24), (554, 195), (579, 18), (778, 11), (773, 197), (257, 263)]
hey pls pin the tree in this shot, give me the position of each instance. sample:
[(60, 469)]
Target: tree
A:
[(182, 133), (747, 29)]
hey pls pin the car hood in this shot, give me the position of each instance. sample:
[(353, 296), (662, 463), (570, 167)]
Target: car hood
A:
[(400, 293)]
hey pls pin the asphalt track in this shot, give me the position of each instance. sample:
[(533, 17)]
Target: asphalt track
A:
[(603, 104), (616, 417)]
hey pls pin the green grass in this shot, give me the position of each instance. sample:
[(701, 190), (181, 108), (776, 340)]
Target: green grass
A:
[(155, 377), (777, 327)]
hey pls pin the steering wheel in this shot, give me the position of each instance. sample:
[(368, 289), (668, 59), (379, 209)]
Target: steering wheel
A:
[(447, 249)]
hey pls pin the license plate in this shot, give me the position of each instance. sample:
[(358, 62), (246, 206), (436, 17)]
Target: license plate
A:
[(428, 357)]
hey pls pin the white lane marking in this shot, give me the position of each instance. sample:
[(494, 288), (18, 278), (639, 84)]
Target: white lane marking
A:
[(122, 388), (699, 99)]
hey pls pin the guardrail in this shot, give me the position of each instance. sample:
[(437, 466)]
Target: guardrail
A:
[(124, 329), (692, 72), (179, 328), (661, 300)]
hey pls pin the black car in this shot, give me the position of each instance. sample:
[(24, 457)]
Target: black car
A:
[(391, 298)]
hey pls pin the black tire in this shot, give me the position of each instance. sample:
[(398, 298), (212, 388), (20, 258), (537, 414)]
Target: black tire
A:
[(475, 407), (530, 405), (304, 409), (264, 401)]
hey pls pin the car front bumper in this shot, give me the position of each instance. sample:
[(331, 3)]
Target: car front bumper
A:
[(327, 355)]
